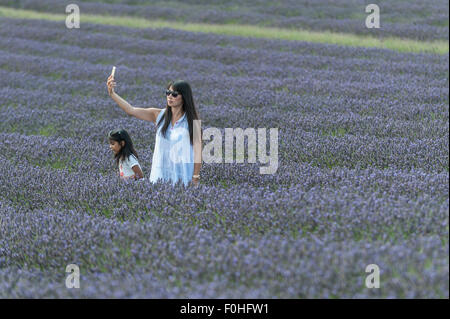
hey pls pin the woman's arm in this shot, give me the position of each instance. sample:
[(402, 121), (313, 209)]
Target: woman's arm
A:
[(147, 114)]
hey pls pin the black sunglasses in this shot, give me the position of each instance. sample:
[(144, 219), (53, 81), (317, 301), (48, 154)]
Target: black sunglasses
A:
[(174, 93)]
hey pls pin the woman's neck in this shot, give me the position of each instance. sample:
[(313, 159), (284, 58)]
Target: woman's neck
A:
[(177, 113)]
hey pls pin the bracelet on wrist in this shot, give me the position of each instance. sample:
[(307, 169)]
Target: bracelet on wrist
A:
[(195, 176)]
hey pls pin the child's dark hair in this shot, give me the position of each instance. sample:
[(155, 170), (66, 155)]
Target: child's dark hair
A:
[(126, 150)]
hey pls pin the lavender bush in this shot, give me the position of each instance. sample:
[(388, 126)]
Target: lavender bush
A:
[(362, 176)]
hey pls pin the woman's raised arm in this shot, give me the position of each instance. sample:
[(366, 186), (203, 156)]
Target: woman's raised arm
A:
[(147, 114)]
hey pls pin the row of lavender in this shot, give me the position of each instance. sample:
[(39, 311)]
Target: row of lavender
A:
[(339, 202), (231, 61), (328, 148), (166, 259), (307, 231), (411, 19), (233, 56), (59, 31)]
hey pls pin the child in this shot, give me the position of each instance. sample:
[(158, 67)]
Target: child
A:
[(124, 153)]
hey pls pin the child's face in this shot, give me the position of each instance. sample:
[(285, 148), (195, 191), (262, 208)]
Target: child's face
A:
[(115, 146)]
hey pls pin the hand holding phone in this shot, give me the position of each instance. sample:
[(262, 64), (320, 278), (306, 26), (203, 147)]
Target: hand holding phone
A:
[(110, 82)]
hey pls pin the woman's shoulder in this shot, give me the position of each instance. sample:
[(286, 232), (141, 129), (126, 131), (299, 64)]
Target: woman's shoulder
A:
[(160, 114)]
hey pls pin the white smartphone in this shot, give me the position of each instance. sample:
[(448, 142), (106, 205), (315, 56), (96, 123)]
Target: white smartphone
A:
[(113, 71)]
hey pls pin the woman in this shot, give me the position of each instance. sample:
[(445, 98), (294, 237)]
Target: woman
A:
[(176, 145)]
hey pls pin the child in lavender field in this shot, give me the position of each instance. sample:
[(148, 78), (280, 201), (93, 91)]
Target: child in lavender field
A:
[(125, 154)]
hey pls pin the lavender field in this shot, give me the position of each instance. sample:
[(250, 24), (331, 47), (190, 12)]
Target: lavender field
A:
[(415, 19), (363, 161)]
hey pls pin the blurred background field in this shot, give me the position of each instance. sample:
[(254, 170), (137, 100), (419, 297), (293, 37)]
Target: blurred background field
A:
[(363, 150), (342, 23), (410, 19)]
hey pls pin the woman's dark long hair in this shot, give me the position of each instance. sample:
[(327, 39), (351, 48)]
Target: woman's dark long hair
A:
[(126, 150), (189, 108)]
